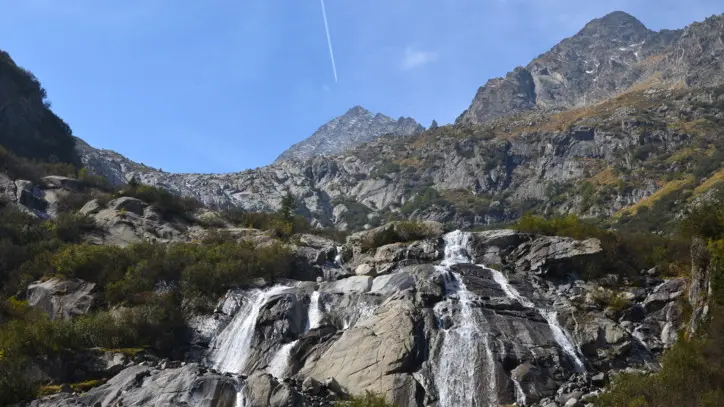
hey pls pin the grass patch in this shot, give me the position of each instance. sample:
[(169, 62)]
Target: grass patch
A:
[(667, 189)]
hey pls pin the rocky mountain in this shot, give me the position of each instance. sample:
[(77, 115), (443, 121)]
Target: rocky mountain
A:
[(553, 148), (355, 127), (418, 322), (610, 55)]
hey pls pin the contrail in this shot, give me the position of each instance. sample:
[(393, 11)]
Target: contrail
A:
[(329, 40)]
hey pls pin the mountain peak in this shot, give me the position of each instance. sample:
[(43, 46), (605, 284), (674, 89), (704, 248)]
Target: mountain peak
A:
[(614, 23), (358, 125), (357, 111)]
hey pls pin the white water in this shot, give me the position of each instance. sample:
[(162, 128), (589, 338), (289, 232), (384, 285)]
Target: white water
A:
[(280, 362), (459, 368), (231, 348), (314, 314), (551, 317), (519, 393), (338, 257), (359, 312)]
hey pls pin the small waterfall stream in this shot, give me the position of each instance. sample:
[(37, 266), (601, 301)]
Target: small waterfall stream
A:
[(232, 347), (314, 314), (551, 317), (459, 369), (280, 362)]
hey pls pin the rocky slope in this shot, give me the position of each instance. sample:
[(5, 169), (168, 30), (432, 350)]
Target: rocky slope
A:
[(608, 56), (355, 127), (419, 322), (600, 159)]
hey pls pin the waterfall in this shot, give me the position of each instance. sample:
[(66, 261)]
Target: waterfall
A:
[(459, 368), (314, 314), (280, 362), (232, 347), (338, 257), (519, 393), (551, 317)]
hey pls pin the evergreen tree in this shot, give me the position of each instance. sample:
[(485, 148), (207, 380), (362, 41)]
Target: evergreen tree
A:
[(288, 208)]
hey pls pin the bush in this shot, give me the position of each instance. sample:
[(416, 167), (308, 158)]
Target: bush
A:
[(168, 204), (624, 253)]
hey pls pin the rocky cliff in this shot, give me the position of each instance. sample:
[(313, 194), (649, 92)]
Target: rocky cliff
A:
[(355, 127), (461, 319), (610, 55)]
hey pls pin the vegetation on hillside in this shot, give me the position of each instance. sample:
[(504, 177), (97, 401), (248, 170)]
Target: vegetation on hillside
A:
[(693, 369)]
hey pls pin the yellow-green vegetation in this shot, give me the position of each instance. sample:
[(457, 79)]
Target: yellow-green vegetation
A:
[(625, 253), (126, 351), (369, 399), (693, 369), (81, 387), (612, 299), (667, 189), (710, 182)]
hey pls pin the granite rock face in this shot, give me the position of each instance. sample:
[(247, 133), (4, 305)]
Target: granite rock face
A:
[(608, 56)]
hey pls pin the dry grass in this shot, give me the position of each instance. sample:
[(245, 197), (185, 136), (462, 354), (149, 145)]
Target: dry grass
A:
[(606, 177), (710, 182), (665, 190)]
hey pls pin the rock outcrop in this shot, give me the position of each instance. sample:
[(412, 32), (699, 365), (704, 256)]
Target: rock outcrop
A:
[(61, 298)]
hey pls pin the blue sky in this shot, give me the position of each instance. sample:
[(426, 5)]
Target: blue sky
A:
[(226, 85)]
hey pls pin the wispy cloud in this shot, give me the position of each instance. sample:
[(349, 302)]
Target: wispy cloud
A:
[(415, 58)]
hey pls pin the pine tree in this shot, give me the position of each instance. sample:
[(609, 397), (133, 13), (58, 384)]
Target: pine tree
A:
[(288, 208)]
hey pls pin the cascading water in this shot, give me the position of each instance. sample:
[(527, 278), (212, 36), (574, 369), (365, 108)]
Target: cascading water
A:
[(520, 398), (232, 347), (314, 314), (280, 362), (551, 317), (459, 368)]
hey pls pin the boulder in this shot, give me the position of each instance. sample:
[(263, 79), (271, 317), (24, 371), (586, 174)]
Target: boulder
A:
[(61, 298), (263, 390), (492, 246), (137, 385), (667, 291), (365, 269), (354, 284), (556, 255), (374, 355), (392, 283), (56, 181)]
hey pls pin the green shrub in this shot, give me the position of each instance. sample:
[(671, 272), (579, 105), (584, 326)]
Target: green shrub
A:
[(168, 204), (625, 253)]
